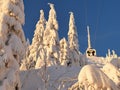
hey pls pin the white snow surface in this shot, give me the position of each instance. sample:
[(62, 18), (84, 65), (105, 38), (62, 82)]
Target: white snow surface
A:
[(89, 77), (58, 75)]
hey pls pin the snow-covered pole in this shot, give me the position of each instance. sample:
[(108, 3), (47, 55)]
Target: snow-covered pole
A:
[(89, 43)]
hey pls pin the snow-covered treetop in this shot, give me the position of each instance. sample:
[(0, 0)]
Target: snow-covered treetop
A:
[(40, 27), (52, 12), (63, 41), (72, 27), (42, 18), (52, 22), (72, 33), (51, 5)]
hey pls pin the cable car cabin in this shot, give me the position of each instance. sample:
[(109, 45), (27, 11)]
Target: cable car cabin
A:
[(90, 52)]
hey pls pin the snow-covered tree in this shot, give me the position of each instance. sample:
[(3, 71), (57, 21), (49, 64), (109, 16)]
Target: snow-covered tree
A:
[(42, 59), (51, 39), (115, 62), (37, 44), (113, 73), (12, 43), (92, 78), (73, 41), (37, 41), (27, 47), (42, 63), (64, 52), (38, 34), (114, 55), (110, 56), (23, 65)]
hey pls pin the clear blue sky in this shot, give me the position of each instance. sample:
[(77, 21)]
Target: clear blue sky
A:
[(103, 17)]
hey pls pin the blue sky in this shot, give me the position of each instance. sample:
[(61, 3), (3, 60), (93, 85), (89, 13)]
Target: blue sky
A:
[(103, 17)]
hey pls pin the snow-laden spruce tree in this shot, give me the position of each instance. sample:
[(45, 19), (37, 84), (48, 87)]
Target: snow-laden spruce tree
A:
[(37, 44), (38, 35), (73, 41), (64, 52), (12, 43), (37, 41), (51, 39)]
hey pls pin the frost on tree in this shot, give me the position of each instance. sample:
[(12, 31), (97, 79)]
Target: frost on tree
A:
[(73, 41), (110, 56), (64, 52), (51, 39), (38, 34), (12, 43), (37, 44), (41, 61), (24, 61), (113, 73)]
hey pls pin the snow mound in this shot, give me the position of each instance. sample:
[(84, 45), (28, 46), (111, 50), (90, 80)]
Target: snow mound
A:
[(92, 78)]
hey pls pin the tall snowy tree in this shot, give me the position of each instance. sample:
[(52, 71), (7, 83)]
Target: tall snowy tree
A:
[(64, 52), (12, 43), (37, 43), (38, 34), (73, 41), (51, 39)]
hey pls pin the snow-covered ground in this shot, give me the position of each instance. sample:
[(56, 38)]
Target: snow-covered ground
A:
[(59, 78), (97, 74)]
